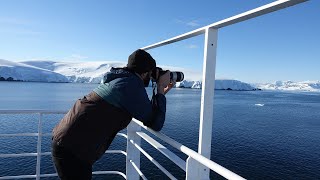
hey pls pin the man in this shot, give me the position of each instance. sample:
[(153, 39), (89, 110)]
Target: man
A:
[(87, 130)]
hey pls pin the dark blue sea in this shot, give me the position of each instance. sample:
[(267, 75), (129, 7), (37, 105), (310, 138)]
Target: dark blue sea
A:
[(256, 134)]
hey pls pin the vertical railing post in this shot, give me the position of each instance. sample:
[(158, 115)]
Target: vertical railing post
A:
[(133, 154), (38, 169), (207, 95), (192, 169)]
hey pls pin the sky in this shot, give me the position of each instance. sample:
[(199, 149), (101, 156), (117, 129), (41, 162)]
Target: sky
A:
[(282, 45)]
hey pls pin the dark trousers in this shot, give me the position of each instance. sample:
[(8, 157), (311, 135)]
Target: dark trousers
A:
[(68, 166)]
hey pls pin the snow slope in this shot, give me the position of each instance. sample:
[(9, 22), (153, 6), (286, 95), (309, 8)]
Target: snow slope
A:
[(25, 72), (80, 72)]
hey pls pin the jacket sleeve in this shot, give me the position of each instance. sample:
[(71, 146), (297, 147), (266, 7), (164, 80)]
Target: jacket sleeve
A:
[(157, 118), (151, 113)]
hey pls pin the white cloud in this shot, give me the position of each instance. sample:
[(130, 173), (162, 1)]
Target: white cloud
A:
[(193, 23)]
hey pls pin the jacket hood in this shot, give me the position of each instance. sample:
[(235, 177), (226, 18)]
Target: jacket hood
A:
[(116, 73)]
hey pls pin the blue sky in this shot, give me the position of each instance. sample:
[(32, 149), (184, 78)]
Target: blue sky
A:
[(283, 45)]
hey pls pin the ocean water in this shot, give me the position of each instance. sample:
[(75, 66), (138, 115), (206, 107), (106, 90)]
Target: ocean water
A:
[(256, 134)]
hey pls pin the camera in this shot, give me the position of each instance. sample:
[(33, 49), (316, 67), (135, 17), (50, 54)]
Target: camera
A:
[(174, 75)]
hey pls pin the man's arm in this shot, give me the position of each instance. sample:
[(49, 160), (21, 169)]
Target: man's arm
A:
[(157, 118), (159, 103), (151, 113)]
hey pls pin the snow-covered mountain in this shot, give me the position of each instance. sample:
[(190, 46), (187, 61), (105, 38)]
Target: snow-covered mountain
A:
[(25, 72), (80, 72), (313, 86), (93, 72)]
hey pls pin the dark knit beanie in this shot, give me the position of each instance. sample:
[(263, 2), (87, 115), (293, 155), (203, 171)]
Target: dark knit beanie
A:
[(140, 61)]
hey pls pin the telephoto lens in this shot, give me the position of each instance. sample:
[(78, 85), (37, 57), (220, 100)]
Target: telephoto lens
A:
[(176, 76)]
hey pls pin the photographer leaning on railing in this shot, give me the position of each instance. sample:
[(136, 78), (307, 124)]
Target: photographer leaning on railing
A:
[(87, 130)]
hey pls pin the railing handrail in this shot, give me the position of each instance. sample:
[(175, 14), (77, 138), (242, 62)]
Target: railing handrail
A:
[(212, 165), (198, 157), (31, 111), (274, 6), (55, 175)]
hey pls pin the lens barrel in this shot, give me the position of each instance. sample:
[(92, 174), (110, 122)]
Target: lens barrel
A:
[(176, 76)]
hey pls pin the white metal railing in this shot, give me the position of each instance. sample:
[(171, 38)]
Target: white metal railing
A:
[(174, 158), (195, 169), (39, 153), (133, 159)]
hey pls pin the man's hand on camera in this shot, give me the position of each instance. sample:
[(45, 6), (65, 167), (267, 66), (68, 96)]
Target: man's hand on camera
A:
[(163, 82), (170, 86)]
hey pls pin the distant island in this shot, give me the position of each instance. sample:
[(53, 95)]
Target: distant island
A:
[(8, 79), (93, 72)]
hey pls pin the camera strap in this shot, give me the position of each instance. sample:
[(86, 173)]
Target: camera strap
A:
[(154, 102)]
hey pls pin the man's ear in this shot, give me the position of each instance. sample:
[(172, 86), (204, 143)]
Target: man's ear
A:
[(144, 75)]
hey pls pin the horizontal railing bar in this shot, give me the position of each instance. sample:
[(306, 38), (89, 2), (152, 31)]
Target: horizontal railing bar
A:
[(123, 135), (116, 152), (19, 134), (268, 8), (153, 160), (166, 152), (31, 112), (44, 134), (45, 153), (18, 155), (110, 172), (23, 155), (19, 177), (55, 174), (201, 159), (138, 170), (49, 153), (49, 175)]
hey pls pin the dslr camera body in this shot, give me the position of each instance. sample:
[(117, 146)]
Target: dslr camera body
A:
[(176, 76)]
